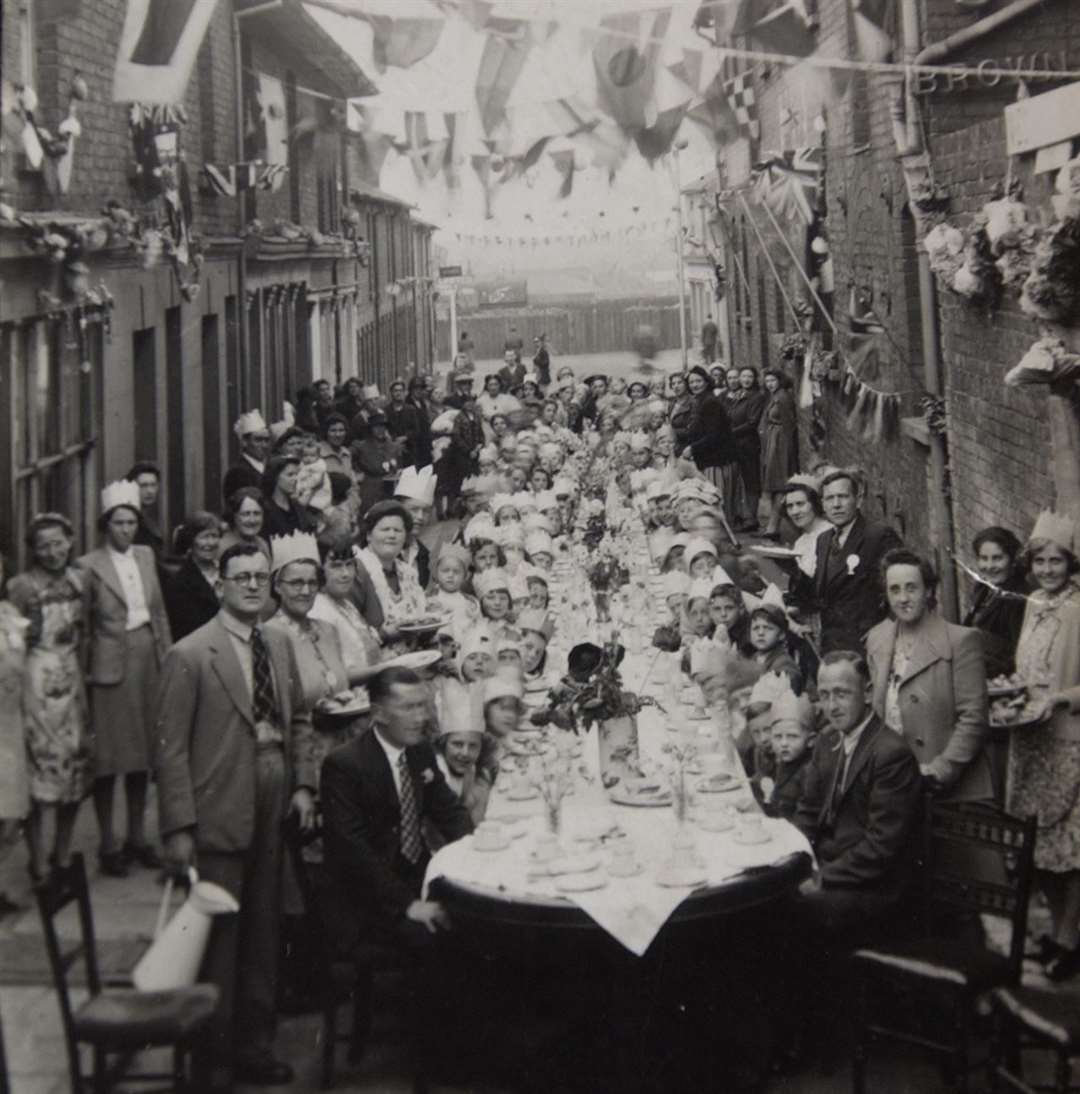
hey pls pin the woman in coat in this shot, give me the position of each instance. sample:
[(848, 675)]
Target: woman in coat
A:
[(191, 593), (779, 445), (1044, 760), (744, 411), (376, 457), (710, 442), (129, 637), (929, 682)]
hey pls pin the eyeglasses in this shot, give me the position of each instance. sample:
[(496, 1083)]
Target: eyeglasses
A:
[(259, 580), (300, 584)]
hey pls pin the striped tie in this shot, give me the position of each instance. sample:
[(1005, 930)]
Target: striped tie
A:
[(412, 844)]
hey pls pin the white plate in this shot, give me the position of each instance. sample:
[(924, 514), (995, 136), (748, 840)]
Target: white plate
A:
[(522, 795), (680, 877), (361, 706), (770, 550), (624, 797), (580, 883), (421, 659), (708, 786), (423, 628)]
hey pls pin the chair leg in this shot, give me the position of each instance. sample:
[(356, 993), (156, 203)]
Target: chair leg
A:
[(363, 995), (861, 1049), (963, 1038), (1063, 1073), (329, 1047), (101, 1071)]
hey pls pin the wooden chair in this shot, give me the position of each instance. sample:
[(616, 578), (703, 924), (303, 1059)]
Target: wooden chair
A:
[(114, 1023), (978, 859), (341, 980), (1027, 1019)]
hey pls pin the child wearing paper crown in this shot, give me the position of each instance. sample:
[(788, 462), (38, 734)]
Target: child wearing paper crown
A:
[(451, 573), (791, 736), (460, 743)]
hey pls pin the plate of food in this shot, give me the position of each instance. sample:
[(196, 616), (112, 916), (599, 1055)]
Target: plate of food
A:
[(640, 792), (345, 704), (420, 659), (422, 624), (1017, 711), (773, 550), (1006, 685), (720, 783)]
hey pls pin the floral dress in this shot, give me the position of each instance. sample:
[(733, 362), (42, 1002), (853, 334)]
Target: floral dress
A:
[(58, 740), (1043, 771), (14, 796)]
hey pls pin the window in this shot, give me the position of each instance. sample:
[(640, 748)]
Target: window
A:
[(54, 376), (26, 42)]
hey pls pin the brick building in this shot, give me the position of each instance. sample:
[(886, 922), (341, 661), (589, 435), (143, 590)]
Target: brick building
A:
[(132, 328), (894, 327)]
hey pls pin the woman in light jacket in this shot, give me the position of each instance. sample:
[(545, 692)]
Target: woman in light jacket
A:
[(929, 682), (129, 637)]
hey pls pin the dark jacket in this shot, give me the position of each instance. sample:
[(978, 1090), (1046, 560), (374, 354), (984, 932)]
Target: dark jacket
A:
[(189, 600), (709, 435), (999, 614), (787, 789), (238, 476), (362, 826), (406, 421), (864, 832), (851, 602)]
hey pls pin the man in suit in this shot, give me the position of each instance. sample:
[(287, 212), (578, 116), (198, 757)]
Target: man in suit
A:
[(860, 803), (377, 793), (254, 435), (404, 424), (847, 580), (234, 754), (512, 374)]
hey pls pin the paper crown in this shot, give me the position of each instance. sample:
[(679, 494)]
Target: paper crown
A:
[(790, 707), (660, 540), (769, 687), (519, 586), (121, 492), (489, 453), (530, 378), (534, 573), (503, 501), (719, 577), (640, 481), (477, 640), (285, 422), (510, 535), (709, 656), (564, 487), (640, 442), (546, 501), (491, 581), (482, 526), (524, 502), (444, 423), (295, 547), (456, 552), (811, 482), (370, 391), (676, 583), (502, 685), (1056, 528), (537, 621), (699, 589), (699, 545), (550, 448), (459, 707), (484, 485), (538, 543), (417, 485), (251, 422)]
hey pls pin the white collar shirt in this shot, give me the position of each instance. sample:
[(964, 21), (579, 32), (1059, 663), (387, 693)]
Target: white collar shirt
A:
[(127, 569), (393, 757), (849, 742)]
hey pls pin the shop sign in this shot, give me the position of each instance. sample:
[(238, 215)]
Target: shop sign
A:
[(990, 72)]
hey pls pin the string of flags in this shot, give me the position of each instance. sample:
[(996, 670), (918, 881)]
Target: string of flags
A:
[(238, 177)]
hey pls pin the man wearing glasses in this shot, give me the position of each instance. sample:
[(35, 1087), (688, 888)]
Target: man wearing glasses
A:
[(234, 754)]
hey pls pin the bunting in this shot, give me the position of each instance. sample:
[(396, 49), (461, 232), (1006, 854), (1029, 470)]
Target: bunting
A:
[(739, 92)]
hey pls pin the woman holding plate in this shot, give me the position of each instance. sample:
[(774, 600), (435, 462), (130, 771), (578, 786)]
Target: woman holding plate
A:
[(386, 589), (360, 649), (296, 576), (1044, 758)]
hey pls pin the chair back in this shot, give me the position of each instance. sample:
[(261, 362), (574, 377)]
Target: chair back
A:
[(296, 843), (66, 885), (981, 859)]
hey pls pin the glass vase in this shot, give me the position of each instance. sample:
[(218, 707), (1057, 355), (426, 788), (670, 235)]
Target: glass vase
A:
[(553, 816)]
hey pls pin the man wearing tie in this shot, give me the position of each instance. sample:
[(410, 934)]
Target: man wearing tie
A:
[(847, 579), (860, 805), (234, 753), (377, 793)]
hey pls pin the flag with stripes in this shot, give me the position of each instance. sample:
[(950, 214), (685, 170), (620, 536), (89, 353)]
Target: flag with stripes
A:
[(158, 46), (739, 91), (238, 177)]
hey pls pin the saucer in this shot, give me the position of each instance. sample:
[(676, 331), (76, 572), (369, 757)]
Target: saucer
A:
[(522, 795), (501, 845), (580, 883), (671, 876), (715, 822), (629, 869)]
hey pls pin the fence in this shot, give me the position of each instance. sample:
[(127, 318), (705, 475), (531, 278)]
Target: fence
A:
[(577, 328)]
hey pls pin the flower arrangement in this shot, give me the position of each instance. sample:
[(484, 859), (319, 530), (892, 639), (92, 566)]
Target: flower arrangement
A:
[(592, 691), (684, 754), (1051, 290)]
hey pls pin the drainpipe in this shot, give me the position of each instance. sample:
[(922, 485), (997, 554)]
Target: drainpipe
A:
[(241, 209)]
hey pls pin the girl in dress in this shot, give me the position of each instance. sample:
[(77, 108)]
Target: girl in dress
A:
[(1044, 762), (493, 589), (451, 573)]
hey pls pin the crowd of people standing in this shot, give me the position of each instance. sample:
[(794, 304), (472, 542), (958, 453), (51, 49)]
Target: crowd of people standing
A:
[(205, 659)]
